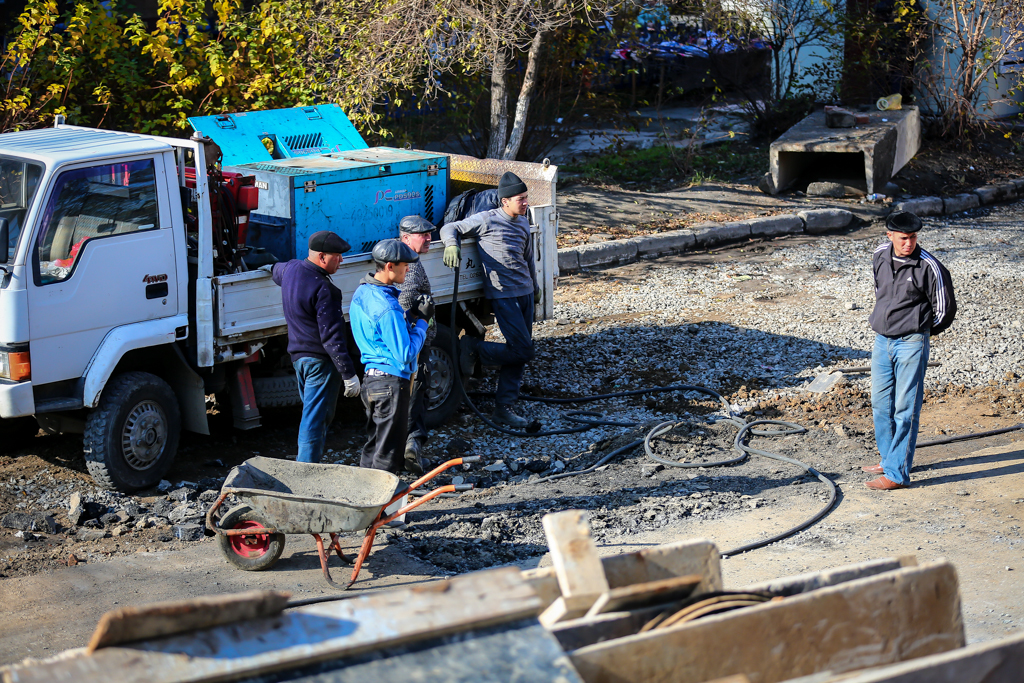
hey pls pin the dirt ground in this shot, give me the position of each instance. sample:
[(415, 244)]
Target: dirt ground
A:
[(966, 505)]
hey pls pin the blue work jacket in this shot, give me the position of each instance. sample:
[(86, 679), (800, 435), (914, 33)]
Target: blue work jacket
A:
[(386, 340)]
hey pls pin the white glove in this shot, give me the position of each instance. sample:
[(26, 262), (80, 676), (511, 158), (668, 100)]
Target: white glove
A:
[(352, 387)]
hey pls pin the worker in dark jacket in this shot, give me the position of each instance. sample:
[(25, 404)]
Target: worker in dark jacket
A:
[(317, 340), (913, 302), (415, 233), (511, 285), (389, 342)]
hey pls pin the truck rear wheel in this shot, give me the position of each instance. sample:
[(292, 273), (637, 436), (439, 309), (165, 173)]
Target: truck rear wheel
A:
[(249, 553), (443, 396), (132, 435)]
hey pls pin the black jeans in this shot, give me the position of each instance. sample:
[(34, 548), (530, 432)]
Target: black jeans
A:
[(418, 403), (515, 320), (386, 398)]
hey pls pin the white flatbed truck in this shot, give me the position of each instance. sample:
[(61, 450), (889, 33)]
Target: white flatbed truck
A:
[(114, 323)]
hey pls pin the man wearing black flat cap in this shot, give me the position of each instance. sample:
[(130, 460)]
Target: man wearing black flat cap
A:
[(414, 231), (317, 337), (913, 302), (510, 283), (389, 341)]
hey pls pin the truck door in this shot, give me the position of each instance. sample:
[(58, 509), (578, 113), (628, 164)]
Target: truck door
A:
[(103, 257)]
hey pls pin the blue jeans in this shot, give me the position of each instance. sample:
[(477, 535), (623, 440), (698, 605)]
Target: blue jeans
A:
[(897, 392), (319, 384), (515, 320)]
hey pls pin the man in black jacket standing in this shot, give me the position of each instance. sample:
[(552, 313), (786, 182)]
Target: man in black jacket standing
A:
[(913, 301), (317, 337)]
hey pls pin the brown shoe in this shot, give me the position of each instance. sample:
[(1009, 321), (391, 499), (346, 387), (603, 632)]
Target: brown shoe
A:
[(883, 484), (873, 469)]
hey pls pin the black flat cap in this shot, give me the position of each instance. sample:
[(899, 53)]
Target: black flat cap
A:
[(328, 242), (509, 185), (415, 225), (394, 251), (902, 221)]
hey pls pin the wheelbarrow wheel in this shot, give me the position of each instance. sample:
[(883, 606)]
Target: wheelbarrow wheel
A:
[(249, 553)]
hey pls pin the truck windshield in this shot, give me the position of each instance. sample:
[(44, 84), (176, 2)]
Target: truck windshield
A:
[(19, 180)]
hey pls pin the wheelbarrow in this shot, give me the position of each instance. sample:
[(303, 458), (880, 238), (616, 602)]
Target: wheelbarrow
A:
[(284, 497)]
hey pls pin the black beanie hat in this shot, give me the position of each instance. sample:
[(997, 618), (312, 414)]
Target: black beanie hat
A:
[(510, 185), (902, 221), (328, 242)]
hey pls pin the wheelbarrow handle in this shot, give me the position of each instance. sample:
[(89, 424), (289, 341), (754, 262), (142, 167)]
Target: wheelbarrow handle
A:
[(371, 531), (454, 462)]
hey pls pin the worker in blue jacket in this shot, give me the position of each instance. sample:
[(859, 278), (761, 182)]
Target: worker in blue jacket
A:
[(389, 340), (317, 337)]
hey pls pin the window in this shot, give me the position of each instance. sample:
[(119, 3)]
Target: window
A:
[(94, 203), (18, 182)]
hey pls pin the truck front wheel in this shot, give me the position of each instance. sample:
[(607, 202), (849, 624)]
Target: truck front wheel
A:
[(132, 435)]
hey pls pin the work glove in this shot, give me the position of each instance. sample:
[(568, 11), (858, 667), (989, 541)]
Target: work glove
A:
[(268, 269), (424, 307), (536, 294), (452, 256), (352, 386)]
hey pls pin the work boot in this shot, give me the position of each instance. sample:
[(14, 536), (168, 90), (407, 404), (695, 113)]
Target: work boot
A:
[(413, 460), (503, 415), (468, 355)]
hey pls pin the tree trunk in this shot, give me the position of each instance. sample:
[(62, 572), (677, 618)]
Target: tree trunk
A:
[(523, 103), (499, 105)]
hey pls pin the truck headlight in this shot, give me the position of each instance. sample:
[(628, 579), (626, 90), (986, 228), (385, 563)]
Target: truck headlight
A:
[(15, 365)]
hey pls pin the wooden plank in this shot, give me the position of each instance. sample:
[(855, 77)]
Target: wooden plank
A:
[(891, 617), (167, 618), (574, 554), (645, 594), (564, 608), (304, 636), (801, 583), (695, 556), (576, 633), (998, 661)]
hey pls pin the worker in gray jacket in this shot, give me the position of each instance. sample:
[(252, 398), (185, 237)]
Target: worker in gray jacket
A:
[(914, 301), (510, 283), (415, 233)]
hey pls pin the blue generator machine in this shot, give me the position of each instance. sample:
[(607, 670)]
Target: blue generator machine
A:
[(315, 172)]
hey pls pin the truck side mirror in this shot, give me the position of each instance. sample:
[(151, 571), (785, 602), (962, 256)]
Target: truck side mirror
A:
[(4, 237)]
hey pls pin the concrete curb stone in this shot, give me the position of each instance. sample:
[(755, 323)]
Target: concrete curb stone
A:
[(664, 243), (960, 202), (604, 253), (721, 233), (775, 225), (922, 206), (817, 221), (568, 260), (990, 194)]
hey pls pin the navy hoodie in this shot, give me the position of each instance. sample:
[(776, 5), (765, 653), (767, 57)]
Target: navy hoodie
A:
[(312, 308)]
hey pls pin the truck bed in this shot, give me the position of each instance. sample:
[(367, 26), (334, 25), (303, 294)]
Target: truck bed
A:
[(247, 306)]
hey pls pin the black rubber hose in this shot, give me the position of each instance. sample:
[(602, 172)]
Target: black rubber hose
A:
[(966, 437)]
